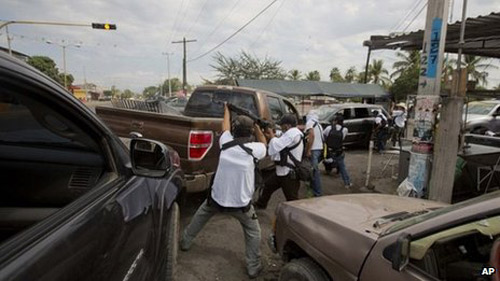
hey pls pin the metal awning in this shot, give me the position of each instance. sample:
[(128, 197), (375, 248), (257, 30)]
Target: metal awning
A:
[(315, 88), (482, 38)]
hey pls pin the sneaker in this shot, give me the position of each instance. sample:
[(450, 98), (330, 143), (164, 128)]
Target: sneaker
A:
[(348, 186), (255, 272)]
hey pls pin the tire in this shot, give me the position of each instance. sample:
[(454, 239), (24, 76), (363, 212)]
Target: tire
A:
[(303, 269), (172, 240)]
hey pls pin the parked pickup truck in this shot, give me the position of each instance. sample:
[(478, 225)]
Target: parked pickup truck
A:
[(194, 134), (386, 237)]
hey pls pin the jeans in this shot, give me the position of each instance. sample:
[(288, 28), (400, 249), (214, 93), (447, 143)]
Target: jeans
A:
[(248, 221), (342, 170), (316, 180), (272, 182), (381, 139)]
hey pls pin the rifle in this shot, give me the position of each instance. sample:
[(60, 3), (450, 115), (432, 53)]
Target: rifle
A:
[(241, 111)]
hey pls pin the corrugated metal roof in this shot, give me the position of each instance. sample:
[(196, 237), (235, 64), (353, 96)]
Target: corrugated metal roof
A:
[(482, 38), (315, 88)]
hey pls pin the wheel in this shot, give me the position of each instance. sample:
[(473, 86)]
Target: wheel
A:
[(173, 234), (303, 269)]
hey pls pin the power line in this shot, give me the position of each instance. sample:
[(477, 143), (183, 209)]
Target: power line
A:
[(267, 25), (234, 34), (175, 24), (196, 20), (218, 25), (415, 17), (402, 20)]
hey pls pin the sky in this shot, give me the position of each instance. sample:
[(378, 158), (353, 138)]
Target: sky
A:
[(306, 35)]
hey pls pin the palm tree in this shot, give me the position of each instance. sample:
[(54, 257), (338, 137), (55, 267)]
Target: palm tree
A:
[(313, 76), (350, 74), (378, 73), (335, 75), (473, 65), (294, 74), (410, 60)]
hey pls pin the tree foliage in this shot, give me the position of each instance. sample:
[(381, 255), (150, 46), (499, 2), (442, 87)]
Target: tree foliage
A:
[(294, 75), (150, 91), (246, 66), (350, 74), (476, 68), (378, 74), (127, 94), (313, 76), (406, 84), (335, 75), (408, 60), (47, 66)]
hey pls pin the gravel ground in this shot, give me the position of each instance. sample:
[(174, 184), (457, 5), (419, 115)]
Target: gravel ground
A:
[(218, 251)]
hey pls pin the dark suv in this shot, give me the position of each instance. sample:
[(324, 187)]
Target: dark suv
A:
[(358, 118)]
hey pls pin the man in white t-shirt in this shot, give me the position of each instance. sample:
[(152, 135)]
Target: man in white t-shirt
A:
[(381, 130), (314, 149), (233, 187), (399, 117), (284, 178)]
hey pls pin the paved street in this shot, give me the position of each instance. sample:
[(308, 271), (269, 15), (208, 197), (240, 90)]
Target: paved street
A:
[(218, 251)]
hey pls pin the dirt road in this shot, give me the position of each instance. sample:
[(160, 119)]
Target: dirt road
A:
[(218, 251)]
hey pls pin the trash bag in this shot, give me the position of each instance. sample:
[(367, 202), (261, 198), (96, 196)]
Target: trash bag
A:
[(406, 189)]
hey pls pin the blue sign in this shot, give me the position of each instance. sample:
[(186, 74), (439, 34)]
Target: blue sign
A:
[(432, 62)]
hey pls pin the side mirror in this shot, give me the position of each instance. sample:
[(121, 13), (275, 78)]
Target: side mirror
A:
[(149, 158), (401, 254)]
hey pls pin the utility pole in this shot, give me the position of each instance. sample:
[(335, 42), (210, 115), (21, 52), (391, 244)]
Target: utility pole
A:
[(168, 72), (428, 98), (184, 83), (448, 138), (63, 46)]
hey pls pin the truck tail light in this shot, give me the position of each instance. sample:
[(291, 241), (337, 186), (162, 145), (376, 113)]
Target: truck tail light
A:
[(199, 144)]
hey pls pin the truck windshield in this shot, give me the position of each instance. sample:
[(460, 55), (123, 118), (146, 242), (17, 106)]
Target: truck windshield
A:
[(205, 104), (435, 213)]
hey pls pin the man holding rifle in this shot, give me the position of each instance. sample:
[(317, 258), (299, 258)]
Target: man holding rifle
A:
[(234, 185)]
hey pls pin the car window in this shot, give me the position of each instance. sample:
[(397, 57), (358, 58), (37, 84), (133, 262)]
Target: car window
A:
[(289, 109), (346, 112), (361, 112), (26, 121), (457, 253), (275, 108), (480, 108), (206, 104)]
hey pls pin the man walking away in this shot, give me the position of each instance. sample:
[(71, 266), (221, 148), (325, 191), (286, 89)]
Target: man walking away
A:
[(279, 148), (335, 135), (233, 187), (380, 130), (314, 149)]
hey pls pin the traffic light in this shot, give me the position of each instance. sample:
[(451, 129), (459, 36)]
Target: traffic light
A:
[(107, 26)]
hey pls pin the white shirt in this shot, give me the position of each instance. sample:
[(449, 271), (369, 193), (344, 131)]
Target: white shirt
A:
[(288, 139), (379, 117), (337, 127), (399, 118), (318, 134), (234, 182)]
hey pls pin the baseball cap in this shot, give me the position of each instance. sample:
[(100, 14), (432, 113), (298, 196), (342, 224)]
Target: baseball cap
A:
[(289, 119)]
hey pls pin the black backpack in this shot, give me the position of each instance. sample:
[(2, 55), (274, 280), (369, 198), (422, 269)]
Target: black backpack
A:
[(258, 180), (335, 139), (303, 170)]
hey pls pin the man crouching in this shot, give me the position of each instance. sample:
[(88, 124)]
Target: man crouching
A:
[(233, 186)]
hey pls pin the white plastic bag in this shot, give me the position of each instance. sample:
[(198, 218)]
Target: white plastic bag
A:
[(406, 189)]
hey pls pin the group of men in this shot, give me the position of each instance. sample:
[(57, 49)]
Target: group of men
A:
[(243, 143)]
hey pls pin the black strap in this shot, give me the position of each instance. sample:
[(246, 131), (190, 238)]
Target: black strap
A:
[(289, 154), (240, 142)]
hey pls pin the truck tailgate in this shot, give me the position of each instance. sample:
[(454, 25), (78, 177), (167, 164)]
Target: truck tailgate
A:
[(172, 130)]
